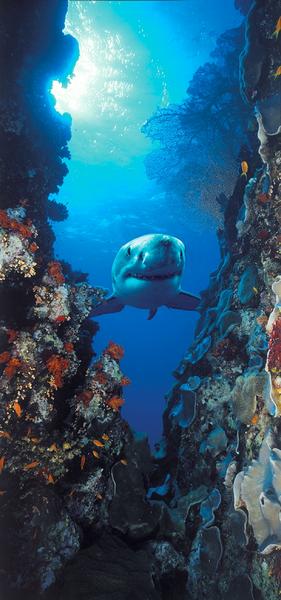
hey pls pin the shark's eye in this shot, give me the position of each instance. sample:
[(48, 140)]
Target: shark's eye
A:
[(129, 251), (181, 254)]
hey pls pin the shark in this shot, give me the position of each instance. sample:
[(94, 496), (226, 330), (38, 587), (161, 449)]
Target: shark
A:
[(147, 273)]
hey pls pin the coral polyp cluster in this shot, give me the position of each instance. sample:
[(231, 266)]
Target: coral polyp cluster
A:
[(17, 244)]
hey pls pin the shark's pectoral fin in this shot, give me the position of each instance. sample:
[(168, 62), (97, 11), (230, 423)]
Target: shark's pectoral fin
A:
[(109, 305), (185, 301), (151, 313)]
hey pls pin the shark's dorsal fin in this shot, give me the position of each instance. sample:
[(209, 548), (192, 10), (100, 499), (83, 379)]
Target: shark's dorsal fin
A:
[(152, 313)]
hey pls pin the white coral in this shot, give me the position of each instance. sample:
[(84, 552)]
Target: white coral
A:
[(258, 489)]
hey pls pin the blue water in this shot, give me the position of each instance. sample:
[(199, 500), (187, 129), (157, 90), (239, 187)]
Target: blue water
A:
[(135, 56)]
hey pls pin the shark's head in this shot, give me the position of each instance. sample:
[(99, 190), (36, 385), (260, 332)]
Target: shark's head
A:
[(148, 269)]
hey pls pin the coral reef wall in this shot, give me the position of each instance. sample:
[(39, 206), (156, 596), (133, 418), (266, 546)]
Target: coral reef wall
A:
[(219, 459), (86, 512), (71, 472)]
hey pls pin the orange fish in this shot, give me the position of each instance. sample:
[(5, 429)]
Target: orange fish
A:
[(105, 437), (277, 72), (31, 465), (2, 460), (98, 443), (50, 479), (123, 461), (53, 448), (82, 462), (99, 496), (96, 454), (254, 419), (5, 434), (33, 247), (17, 408), (244, 167), (277, 28), (35, 440)]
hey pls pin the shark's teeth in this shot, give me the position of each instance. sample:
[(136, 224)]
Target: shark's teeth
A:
[(151, 277)]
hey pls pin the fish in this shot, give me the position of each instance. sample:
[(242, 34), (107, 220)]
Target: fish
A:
[(98, 443), (277, 72), (50, 479), (123, 461), (255, 290), (146, 274), (17, 408), (105, 437), (53, 447), (31, 465), (82, 462), (2, 462), (277, 28), (244, 167), (5, 434), (96, 454)]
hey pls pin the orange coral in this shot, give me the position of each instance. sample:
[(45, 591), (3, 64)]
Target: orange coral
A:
[(86, 397), (60, 319), (115, 402), (12, 334), (115, 351), (57, 365), (68, 346), (54, 270), (264, 198), (12, 366), (100, 378), (125, 381), (4, 357), (8, 223)]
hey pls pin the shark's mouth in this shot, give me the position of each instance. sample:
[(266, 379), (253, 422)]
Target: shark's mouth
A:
[(152, 277)]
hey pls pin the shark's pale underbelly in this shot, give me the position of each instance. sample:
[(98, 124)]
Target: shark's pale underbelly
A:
[(143, 294)]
